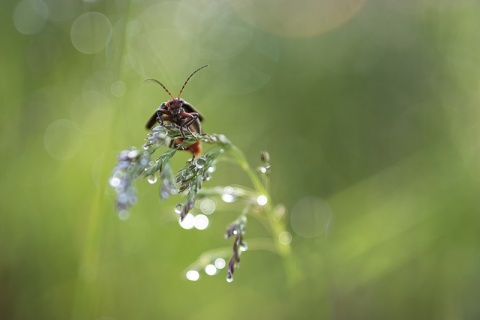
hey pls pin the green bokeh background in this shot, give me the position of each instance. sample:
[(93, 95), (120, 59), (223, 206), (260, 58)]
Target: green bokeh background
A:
[(373, 107)]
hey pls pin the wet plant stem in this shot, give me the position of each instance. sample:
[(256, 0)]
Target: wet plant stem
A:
[(134, 163), (275, 224)]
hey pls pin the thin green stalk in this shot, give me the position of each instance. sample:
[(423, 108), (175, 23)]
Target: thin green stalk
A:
[(134, 163), (275, 224)]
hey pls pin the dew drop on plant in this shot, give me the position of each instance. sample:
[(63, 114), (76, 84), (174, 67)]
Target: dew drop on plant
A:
[(115, 182), (178, 208), (152, 179), (188, 222), (164, 194), (145, 147), (200, 163), (220, 263), (210, 269), (123, 156), (262, 200), (211, 169), (229, 279), (243, 246), (228, 195), (132, 154), (222, 138), (188, 176), (192, 275), (201, 222), (123, 198), (262, 170), (228, 198), (207, 176)]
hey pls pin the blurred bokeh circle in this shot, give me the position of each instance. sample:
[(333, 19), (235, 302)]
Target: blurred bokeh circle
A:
[(62, 139), (302, 18), (311, 217), (90, 32)]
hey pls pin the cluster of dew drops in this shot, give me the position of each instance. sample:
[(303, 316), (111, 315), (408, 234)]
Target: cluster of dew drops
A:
[(200, 222), (210, 269)]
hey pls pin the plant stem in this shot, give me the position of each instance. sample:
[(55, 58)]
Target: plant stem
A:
[(276, 225)]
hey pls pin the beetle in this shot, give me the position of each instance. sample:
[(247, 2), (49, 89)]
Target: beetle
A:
[(180, 113)]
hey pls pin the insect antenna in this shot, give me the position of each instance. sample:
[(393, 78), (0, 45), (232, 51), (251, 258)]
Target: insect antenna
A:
[(181, 90), (154, 80)]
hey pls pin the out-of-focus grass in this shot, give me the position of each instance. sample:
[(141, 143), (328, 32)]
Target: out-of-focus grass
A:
[(378, 118)]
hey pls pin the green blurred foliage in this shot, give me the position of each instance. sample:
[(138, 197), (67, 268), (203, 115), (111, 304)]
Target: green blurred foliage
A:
[(373, 107)]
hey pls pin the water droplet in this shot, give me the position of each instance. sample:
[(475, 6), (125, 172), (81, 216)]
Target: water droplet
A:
[(228, 195), (262, 200), (187, 176), (212, 169), (220, 263), (201, 222), (243, 246), (115, 182), (164, 194), (262, 170), (210, 269), (192, 275), (207, 176), (132, 154), (152, 179), (200, 163), (229, 279), (188, 222), (145, 147), (228, 198), (161, 135), (123, 198), (123, 156), (159, 129), (178, 208), (223, 139)]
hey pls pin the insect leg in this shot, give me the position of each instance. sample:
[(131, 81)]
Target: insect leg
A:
[(194, 116)]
